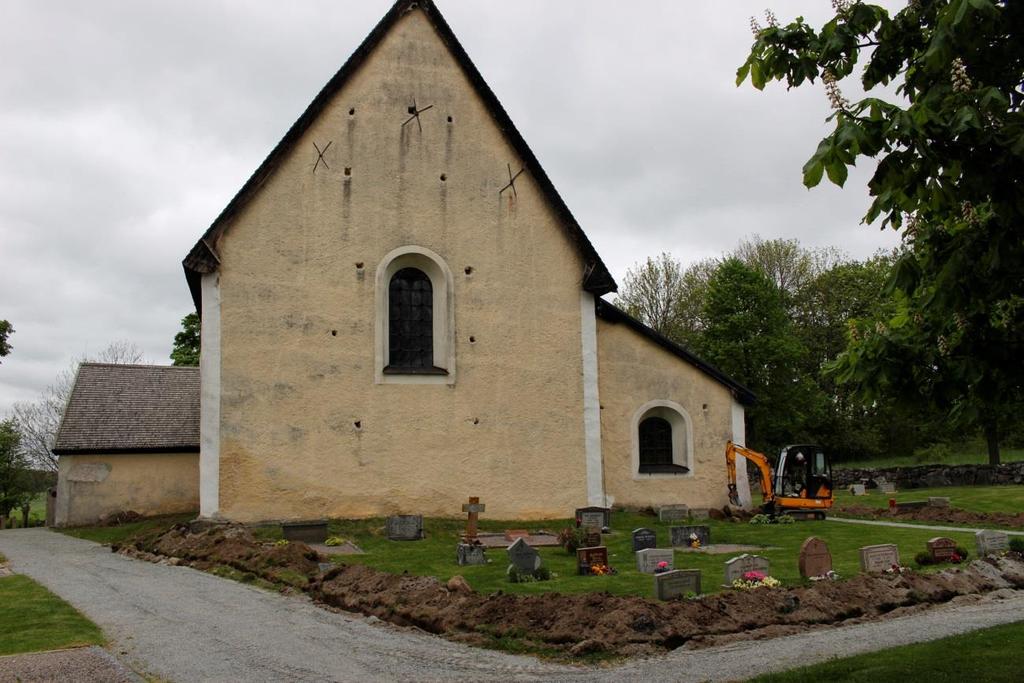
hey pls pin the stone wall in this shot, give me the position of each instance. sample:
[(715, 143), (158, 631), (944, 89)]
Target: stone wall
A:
[(927, 476)]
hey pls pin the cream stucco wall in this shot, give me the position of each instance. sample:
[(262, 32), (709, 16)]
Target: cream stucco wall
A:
[(305, 431), (90, 486), (636, 372)]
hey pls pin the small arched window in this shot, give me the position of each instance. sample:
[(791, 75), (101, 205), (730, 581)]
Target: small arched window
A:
[(655, 443), (410, 322)]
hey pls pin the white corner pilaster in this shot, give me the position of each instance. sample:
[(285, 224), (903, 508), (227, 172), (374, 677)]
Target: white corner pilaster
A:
[(591, 403), (209, 416), (739, 437)]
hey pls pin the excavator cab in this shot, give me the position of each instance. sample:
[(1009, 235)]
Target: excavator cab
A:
[(803, 479)]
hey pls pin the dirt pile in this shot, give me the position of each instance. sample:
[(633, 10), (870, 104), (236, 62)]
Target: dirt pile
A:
[(933, 513), (294, 564), (632, 625)]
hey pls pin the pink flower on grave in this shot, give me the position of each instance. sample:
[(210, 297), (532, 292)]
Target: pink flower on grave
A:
[(663, 565), (754, 576)]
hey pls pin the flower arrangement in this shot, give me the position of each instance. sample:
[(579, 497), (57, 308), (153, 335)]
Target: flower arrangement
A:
[(755, 579), (281, 542), (661, 567), (694, 541), (334, 541), (827, 576), (897, 569), (601, 570)]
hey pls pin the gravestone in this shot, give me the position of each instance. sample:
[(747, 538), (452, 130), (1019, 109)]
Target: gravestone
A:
[(680, 535), (941, 548), (470, 553), (647, 559), (815, 559), (858, 490), (700, 513), (523, 557), (991, 541), (678, 582), (875, 559), (591, 537), (644, 538), (588, 557), (912, 505), (473, 509), (738, 566), (307, 532), (887, 487), (405, 527), (673, 513), (938, 501), (594, 517)]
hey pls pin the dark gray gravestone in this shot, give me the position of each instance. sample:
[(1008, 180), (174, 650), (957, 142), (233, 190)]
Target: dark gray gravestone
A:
[(647, 559), (738, 566), (307, 532), (592, 537), (941, 548), (522, 556), (875, 559), (680, 535), (405, 527), (815, 559), (991, 541), (470, 553), (644, 538), (588, 557), (673, 513), (676, 583), (594, 517)]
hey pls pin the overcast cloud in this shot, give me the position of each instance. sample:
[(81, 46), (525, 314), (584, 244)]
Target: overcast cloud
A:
[(125, 127)]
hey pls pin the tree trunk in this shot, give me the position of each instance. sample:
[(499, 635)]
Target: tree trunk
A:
[(24, 516), (992, 439)]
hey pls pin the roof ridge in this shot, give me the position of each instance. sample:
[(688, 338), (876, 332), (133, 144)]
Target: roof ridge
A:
[(93, 363)]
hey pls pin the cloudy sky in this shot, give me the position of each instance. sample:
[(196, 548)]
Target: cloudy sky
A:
[(125, 127)]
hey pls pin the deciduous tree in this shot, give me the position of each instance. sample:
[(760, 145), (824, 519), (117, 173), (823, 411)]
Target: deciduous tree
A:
[(186, 342)]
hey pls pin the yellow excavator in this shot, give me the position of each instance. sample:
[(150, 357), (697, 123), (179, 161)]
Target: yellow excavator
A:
[(800, 484)]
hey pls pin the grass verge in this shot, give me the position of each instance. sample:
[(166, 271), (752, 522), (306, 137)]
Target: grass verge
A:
[(1008, 498), (33, 619), (991, 654), (117, 534)]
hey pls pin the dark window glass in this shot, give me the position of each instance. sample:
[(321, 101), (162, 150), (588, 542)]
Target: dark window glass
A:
[(655, 442), (410, 321)]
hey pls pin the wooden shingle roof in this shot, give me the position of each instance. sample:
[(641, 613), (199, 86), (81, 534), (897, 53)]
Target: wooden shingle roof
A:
[(131, 408)]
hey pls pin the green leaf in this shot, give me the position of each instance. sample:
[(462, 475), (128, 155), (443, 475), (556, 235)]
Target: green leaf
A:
[(756, 76), (961, 11), (812, 173), (741, 73), (837, 172)]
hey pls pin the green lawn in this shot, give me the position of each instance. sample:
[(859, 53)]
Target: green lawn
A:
[(992, 654), (1009, 498), (969, 453), (117, 534), (34, 619)]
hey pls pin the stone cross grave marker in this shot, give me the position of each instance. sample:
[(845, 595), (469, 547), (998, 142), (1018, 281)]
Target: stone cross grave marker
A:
[(673, 513), (738, 566), (644, 538), (938, 501), (594, 517), (680, 535), (941, 548), (875, 559), (647, 559), (474, 507), (815, 559), (523, 557), (678, 582), (405, 527), (470, 553), (858, 489), (991, 541), (588, 557)]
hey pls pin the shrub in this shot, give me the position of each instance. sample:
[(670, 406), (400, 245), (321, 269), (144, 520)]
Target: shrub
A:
[(923, 559), (1016, 545), (962, 552), (572, 538), (516, 575)]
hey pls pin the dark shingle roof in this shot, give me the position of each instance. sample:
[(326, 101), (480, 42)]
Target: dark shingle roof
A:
[(131, 408)]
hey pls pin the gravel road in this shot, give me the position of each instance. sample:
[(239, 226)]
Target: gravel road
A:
[(184, 625)]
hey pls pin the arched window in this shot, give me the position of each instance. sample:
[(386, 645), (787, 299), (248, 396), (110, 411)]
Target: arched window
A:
[(662, 440), (410, 322), (655, 442)]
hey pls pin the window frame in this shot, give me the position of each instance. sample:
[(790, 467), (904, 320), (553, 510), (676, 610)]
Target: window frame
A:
[(443, 313), (682, 441)]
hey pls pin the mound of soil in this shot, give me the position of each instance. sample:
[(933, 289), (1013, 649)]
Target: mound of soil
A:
[(938, 514), (580, 623)]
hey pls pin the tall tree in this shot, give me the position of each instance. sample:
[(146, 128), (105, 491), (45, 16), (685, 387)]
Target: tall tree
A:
[(651, 293), (6, 330), (39, 420), (15, 479), (950, 156), (186, 342)]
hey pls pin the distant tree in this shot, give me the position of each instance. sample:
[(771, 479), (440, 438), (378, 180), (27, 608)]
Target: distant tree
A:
[(15, 478), (186, 342), (39, 420), (950, 156), (6, 330), (788, 264), (650, 293), (748, 335)]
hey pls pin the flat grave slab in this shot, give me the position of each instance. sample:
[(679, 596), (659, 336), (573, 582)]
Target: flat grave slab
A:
[(536, 539), (723, 549), (346, 548)]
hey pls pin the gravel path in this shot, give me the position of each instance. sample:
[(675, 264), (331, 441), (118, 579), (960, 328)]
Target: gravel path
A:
[(93, 664), (185, 625), (914, 525)]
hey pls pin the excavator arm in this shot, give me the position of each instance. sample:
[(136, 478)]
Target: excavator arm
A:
[(759, 460)]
